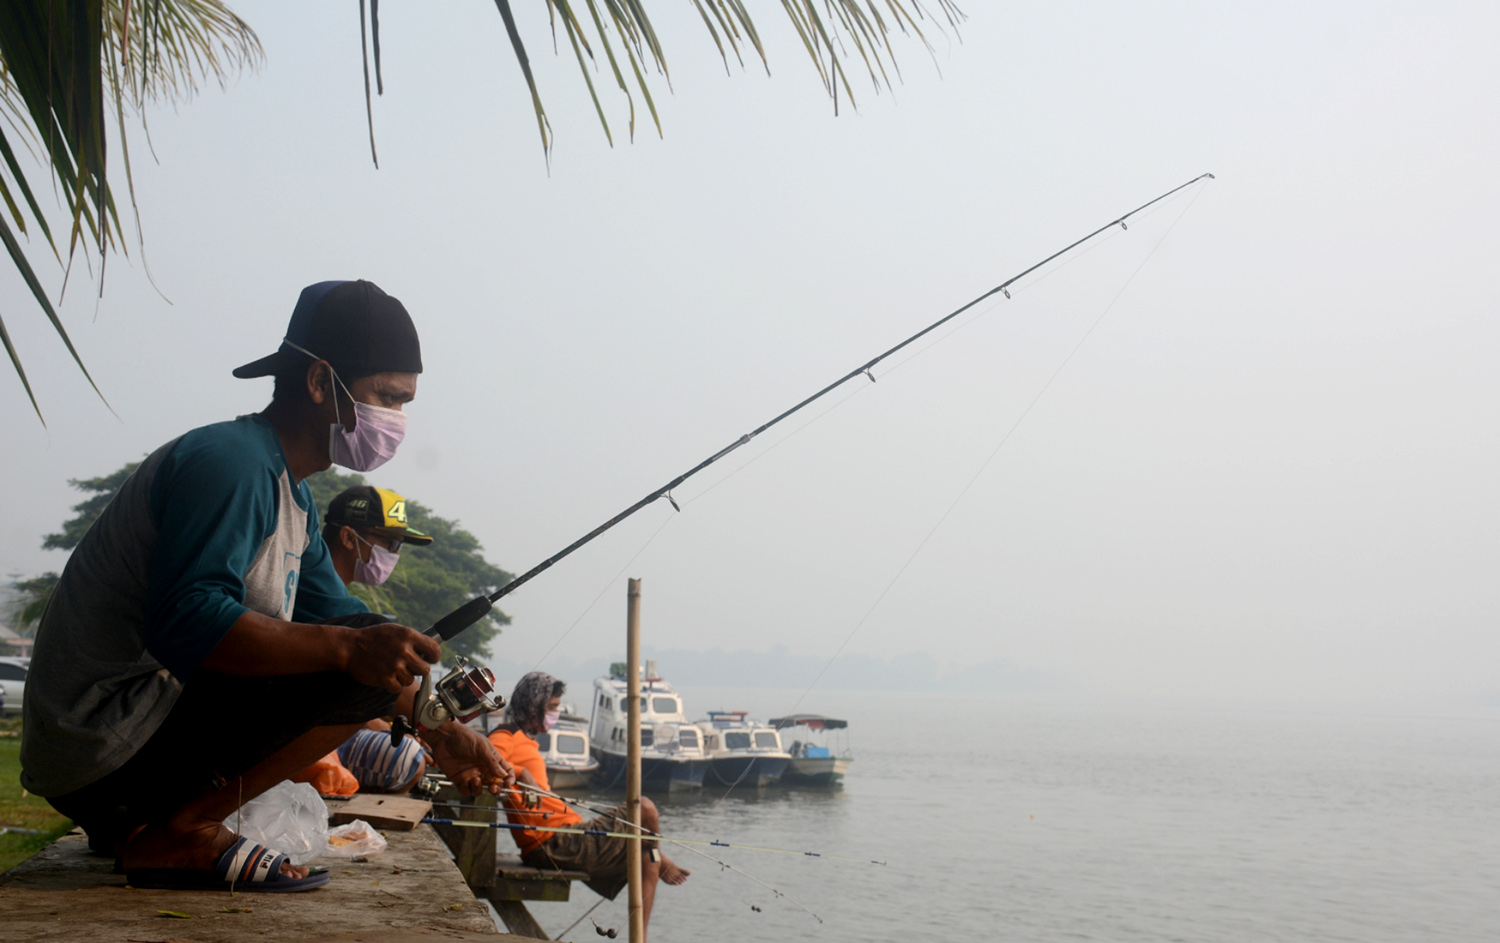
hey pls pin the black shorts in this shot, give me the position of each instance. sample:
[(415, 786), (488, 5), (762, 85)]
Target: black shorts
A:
[(220, 727)]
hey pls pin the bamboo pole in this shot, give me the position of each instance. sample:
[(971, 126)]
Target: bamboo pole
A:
[(633, 756)]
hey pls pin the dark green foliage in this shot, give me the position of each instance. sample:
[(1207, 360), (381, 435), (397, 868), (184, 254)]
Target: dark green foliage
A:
[(103, 490), (430, 581), (31, 599)]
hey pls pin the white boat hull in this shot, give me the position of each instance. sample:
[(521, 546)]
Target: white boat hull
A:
[(816, 771)]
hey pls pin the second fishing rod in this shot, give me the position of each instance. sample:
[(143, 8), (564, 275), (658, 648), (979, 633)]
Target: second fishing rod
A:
[(476, 608)]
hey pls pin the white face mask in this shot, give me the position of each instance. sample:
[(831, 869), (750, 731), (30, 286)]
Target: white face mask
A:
[(377, 434)]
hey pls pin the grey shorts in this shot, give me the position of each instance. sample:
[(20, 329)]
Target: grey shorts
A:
[(602, 858)]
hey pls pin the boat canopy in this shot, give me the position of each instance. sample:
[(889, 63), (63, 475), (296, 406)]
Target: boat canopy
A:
[(811, 721)]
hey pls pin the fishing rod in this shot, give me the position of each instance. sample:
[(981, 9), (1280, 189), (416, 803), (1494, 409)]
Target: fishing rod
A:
[(469, 689), (476, 608)]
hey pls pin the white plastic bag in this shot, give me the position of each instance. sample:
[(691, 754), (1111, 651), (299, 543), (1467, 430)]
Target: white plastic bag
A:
[(355, 839), (289, 817)]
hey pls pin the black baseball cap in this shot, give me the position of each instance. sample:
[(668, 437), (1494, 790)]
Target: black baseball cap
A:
[(376, 509), (351, 324)]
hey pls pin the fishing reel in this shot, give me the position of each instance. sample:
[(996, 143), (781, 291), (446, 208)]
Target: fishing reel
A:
[(462, 694)]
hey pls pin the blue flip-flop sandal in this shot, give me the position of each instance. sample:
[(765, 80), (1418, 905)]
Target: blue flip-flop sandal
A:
[(248, 866)]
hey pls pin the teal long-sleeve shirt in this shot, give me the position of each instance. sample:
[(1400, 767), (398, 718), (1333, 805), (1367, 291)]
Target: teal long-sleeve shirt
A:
[(211, 525)]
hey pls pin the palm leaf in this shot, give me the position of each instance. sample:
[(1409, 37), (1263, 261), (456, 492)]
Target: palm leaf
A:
[(828, 29), (61, 61)]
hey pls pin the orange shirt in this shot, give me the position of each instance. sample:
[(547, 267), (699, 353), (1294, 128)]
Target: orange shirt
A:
[(329, 777), (521, 752)]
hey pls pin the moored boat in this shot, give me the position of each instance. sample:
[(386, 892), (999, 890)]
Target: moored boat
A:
[(672, 757), (741, 752), (823, 758), (565, 749)]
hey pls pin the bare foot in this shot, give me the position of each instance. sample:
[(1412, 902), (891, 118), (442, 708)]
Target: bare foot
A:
[(672, 872), (198, 848)]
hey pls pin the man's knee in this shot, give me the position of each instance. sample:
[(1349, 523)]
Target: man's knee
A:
[(649, 817)]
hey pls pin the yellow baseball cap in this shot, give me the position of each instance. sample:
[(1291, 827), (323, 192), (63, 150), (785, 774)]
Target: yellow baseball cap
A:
[(374, 509)]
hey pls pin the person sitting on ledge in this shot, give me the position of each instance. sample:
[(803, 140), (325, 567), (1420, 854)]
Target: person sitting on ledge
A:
[(365, 529), (199, 647), (534, 707)]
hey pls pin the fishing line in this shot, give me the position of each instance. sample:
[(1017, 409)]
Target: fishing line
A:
[(1009, 432), (1108, 237), (476, 608), (583, 918), (853, 393), (643, 832), (614, 579), (643, 835)]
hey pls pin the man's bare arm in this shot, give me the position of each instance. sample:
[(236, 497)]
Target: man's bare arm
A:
[(386, 656)]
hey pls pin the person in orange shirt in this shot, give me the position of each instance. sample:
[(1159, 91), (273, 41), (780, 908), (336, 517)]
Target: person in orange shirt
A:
[(534, 707)]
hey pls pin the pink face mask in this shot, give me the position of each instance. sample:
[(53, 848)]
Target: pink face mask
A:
[(377, 431), (377, 569), (550, 719), (377, 434)]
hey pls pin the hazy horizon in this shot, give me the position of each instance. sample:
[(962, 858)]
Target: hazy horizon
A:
[(1267, 474)]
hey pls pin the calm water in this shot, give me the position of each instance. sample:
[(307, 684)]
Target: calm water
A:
[(1037, 820)]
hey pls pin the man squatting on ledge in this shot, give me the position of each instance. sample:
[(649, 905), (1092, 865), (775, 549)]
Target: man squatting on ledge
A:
[(199, 647)]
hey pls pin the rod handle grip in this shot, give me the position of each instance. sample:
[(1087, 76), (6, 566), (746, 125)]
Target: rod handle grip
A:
[(461, 618)]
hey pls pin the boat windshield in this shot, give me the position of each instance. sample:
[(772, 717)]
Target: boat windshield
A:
[(766, 740), (544, 742), (664, 705), (736, 740), (570, 744), (688, 738)]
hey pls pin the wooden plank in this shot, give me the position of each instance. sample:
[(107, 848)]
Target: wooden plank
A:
[(522, 872), (525, 889), (473, 848), (519, 920), (392, 812), (67, 895)]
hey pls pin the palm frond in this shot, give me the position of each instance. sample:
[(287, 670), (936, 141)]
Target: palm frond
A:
[(828, 29), (64, 64)]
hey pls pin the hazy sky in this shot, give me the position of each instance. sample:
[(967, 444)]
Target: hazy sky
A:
[(1268, 473)]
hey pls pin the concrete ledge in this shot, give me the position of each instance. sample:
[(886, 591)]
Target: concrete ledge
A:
[(412, 892)]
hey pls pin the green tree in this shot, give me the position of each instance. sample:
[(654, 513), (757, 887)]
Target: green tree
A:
[(69, 68), (31, 601), (427, 584), (32, 595), (102, 491), (64, 66)]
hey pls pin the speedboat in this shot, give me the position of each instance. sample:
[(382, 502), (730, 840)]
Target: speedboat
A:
[(565, 749), (742, 752), (672, 756), (822, 759)]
